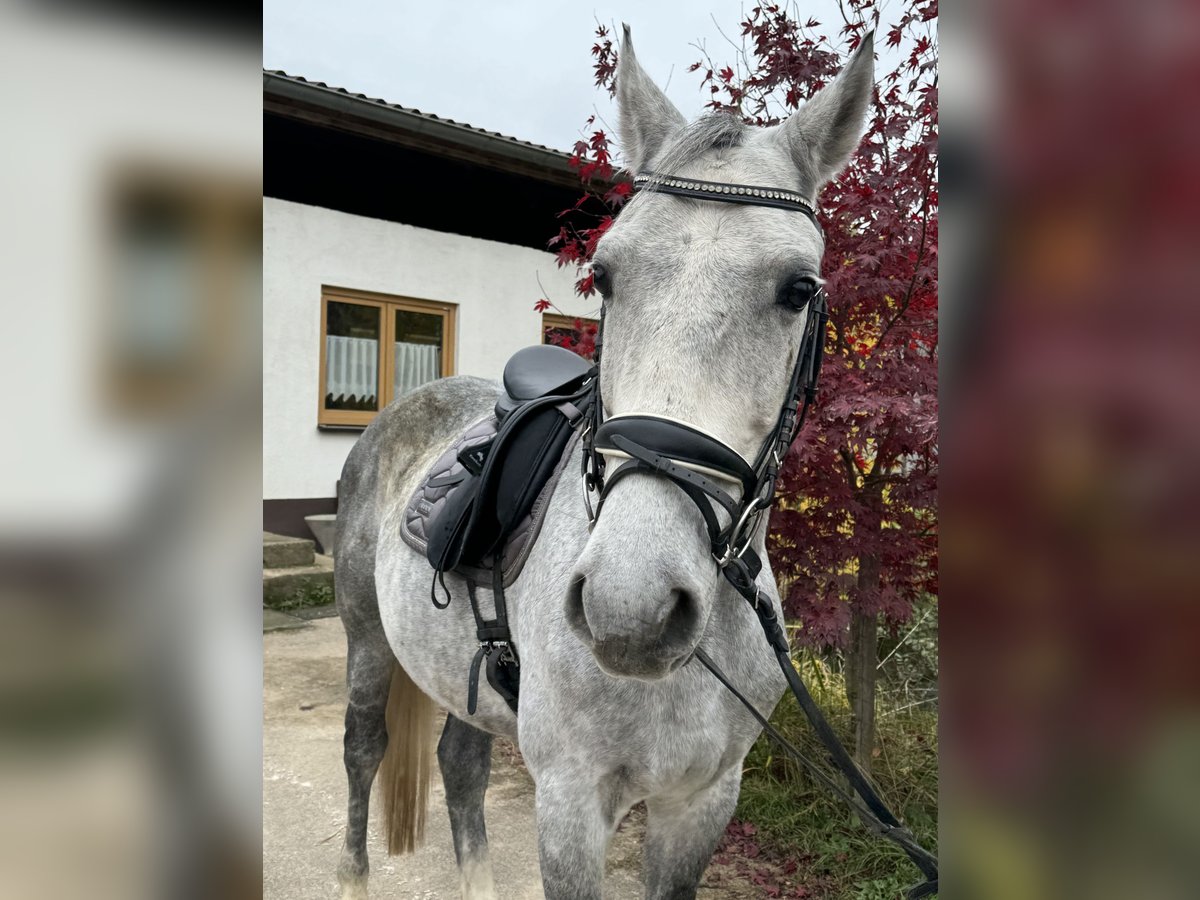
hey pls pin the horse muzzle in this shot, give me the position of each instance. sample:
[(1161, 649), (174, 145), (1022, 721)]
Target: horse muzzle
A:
[(638, 599), (628, 647)]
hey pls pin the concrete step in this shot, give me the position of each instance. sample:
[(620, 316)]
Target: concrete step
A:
[(274, 620), (294, 587), (281, 551)]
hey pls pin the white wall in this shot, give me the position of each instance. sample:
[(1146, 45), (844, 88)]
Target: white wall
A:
[(304, 247)]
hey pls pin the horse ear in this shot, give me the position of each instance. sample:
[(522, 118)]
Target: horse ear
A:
[(646, 117), (824, 133)]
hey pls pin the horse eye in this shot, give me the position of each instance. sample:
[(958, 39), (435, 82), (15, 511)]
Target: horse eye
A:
[(798, 293), (601, 279)]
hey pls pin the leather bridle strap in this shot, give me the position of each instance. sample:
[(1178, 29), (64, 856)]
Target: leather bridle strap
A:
[(675, 442), (871, 808), (697, 486), (745, 194)]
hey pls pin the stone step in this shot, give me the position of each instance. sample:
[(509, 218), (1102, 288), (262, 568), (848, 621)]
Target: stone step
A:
[(294, 587), (274, 620), (281, 551)]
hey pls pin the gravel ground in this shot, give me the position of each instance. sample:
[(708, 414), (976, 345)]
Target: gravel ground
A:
[(304, 792)]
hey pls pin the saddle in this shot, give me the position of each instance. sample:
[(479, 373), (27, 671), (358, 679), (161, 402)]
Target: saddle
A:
[(479, 508), (501, 478)]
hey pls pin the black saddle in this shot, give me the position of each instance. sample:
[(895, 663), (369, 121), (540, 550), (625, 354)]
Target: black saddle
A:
[(547, 393), (539, 371)]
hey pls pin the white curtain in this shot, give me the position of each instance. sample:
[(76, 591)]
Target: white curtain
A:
[(351, 367), (415, 365)]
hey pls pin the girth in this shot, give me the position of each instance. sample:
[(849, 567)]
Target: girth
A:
[(493, 487), (496, 647)]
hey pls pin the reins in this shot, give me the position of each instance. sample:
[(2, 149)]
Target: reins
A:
[(701, 465), (871, 808)]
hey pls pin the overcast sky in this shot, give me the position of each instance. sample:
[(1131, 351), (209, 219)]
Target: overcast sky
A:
[(520, 67)]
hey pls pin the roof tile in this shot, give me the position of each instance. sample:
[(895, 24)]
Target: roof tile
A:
[(299, 79)]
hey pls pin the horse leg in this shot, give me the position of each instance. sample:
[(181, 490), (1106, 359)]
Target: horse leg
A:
[(575, 824), (682, 834), (465, 756), (369, 666)]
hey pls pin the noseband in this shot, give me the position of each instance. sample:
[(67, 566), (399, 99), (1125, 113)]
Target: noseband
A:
[(713, 474)]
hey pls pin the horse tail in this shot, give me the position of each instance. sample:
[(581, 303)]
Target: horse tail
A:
[(407, 763)]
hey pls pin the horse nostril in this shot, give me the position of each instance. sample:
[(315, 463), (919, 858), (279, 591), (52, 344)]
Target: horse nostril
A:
[(574, 611), (679, 627)]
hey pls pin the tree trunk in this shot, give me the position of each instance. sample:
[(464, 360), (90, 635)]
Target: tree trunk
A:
[(862, 659)]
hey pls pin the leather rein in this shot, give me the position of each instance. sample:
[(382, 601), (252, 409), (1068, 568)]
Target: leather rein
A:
[(704, 467)]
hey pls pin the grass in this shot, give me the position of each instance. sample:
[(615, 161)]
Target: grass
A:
[(301, 598), (799, 818)]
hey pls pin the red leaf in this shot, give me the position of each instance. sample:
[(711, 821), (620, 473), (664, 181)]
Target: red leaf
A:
[(619, 193)]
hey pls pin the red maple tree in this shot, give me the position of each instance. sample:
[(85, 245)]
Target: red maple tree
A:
[(854, 534)]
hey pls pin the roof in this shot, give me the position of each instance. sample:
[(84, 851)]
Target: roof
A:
[(290, 89)]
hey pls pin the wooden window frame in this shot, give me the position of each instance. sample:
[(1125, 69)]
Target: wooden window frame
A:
[(388, 305), (222, 215)]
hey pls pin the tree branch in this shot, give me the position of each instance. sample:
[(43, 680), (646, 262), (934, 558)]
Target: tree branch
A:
[(916, 266), (840, 332), (879, 447), (852, 469)]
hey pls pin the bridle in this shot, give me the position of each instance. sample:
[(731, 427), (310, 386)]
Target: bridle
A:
[(702, 465), (695, 461)]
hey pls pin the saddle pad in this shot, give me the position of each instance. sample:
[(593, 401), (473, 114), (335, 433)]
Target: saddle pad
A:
[(433, 493)]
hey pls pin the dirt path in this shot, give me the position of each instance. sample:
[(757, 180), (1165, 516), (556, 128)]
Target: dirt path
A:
[(304, 792)]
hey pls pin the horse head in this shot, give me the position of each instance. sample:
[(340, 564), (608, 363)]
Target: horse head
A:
[(702, 326)]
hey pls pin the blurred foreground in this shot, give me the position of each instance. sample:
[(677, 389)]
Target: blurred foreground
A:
[(1070, 589), (129, 476)]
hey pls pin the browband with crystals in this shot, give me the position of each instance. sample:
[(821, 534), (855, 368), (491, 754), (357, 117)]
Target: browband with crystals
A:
[(727, 193)]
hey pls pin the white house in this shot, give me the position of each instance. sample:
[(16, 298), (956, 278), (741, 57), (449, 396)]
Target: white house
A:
[(397, 247)]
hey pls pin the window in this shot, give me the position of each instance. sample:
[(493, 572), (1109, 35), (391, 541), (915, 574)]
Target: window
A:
[(183, 286), (573, 332), (359, 378)]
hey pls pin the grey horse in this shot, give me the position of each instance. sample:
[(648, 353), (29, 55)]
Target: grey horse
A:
[(605, 621)]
